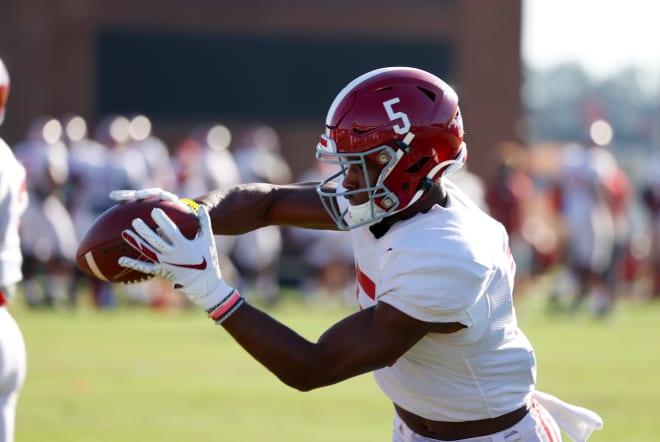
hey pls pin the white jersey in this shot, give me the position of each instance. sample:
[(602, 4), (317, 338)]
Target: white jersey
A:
[(450, 264), (46, 165), (585, 209), (13, 365), (13, 201)]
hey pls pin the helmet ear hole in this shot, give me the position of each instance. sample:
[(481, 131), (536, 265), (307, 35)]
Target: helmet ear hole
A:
[(419, 165), (427, 92)]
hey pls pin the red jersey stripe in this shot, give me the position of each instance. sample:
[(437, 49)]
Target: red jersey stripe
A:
[(367, 284)]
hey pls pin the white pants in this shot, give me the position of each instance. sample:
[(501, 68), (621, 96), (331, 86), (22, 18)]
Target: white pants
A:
[(12, 372), (536, 426)]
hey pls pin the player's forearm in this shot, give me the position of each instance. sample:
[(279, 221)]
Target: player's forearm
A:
[(238, 210), (250, 206), (296, 361)]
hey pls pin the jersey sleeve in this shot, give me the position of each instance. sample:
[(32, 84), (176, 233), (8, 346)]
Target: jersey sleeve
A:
[(434, 287)]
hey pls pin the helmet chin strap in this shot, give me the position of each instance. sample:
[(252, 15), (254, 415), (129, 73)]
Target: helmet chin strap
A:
[(363, 213), (427, 183), (369, 213)]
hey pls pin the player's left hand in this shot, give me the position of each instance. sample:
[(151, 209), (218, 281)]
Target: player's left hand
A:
[(122, 195), (191, 264)]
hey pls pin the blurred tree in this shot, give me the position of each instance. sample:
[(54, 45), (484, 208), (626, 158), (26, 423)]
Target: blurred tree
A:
[(561, 102)]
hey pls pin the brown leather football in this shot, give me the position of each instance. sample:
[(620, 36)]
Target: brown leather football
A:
[(102, 245)]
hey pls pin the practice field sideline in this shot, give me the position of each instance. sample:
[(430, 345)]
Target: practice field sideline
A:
[(141, 375)]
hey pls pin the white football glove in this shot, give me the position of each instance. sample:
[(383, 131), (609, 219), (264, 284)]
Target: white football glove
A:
[(191, 264), (134, 195)]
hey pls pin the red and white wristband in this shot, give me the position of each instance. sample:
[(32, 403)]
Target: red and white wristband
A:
[(226, 307)]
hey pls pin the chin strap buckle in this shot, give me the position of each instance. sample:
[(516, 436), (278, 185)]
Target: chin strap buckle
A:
[(426, 184)]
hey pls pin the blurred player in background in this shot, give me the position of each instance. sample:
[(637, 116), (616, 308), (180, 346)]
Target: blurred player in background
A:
[(87, 158), (436, 324), (160, 171), (256, 253), (328, 269), (48, 234), (508, 194), (651, 199), (203, 161), (122, 164), (13, 201), (585, 205), (472, 185)]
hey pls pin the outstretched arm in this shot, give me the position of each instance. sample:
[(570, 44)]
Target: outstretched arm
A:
[(369, 339), (365, 341), (250, 206)]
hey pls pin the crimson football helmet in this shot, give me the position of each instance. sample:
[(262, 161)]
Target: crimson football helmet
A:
[(4, 90), (404, 120)]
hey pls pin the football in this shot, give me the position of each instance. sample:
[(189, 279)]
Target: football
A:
[(102, 246)]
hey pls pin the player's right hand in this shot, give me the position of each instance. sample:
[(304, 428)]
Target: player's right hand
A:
[(123, 195), (191, 264)]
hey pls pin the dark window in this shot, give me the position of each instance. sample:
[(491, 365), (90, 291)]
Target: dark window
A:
[(193, 75)]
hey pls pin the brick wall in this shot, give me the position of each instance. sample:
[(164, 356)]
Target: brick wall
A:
[(50, 50)]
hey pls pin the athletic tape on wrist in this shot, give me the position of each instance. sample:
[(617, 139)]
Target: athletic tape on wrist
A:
[(226, 307)]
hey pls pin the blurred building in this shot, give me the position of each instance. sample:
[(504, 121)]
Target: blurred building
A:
[(279, 62)]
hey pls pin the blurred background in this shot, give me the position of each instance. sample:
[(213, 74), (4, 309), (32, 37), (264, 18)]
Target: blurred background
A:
[(279, 62), (192, 95), (523, 69), (187, 95)]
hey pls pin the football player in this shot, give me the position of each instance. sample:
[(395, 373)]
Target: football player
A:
[(586, 202), (436, 323), (13, 201)]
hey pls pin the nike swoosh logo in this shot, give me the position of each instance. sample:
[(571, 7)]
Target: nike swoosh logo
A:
[(147, 253), (200, 266)]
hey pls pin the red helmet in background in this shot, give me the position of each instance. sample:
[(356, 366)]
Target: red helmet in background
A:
[(4, 90), (404, 120)]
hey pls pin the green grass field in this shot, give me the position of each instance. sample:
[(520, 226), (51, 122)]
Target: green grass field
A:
[(141, 375)]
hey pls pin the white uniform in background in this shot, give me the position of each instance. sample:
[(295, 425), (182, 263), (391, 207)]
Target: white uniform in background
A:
[(89, 173), (160, 171), (472, 185), (13, 201), (585, 209), (48, 234), (327, 254), (257, 253), (203, 163)]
